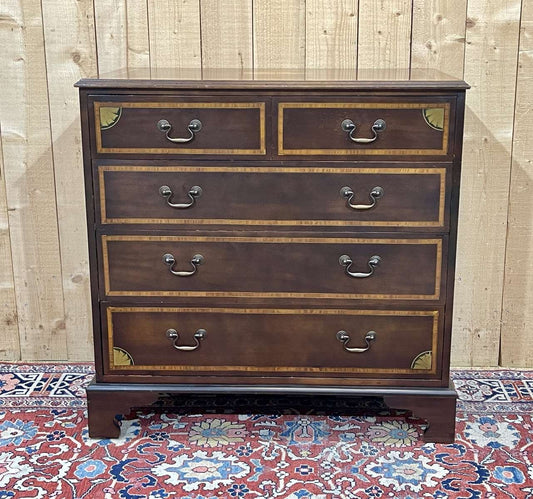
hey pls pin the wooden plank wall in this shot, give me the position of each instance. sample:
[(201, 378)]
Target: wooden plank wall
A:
[(47, 46), (518, 281)]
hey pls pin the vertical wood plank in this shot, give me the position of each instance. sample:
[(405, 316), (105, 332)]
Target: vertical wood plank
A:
[(175, 40), (9, 339), (517, 317), (279, 34), (122, 34), (70, 55), (29, 178), (490, 68), (111, 35), (227, 34), (438, 39), (138, 44), (331, 34), (384, 34)]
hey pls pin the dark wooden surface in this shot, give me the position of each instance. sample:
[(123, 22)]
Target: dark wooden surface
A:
[(107, 401), (284, 343), (276, 198), (363, 379), (222, 128), (306, 131), (286, 267), (452, 243), (263, 266), (438, 411), (323, 79), (320, 128)]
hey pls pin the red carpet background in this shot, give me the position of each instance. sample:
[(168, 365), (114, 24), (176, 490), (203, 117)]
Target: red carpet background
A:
[(45, 451)]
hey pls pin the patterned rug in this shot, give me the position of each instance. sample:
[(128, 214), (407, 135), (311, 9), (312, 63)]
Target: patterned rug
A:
[(45, 451)]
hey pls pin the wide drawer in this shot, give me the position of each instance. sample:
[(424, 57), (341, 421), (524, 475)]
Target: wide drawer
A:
[(364, 128), (276, 196), (179, 128), (273, 267), (318, 342)]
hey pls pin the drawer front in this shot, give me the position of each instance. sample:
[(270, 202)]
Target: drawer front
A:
[(257, 341), (406, 197), (125, 127), (381, 128), (273, 267)]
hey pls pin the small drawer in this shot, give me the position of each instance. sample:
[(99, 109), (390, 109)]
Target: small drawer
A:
[(254, 342), (364, 128), (316, 196), (273, 267), (179, 128)]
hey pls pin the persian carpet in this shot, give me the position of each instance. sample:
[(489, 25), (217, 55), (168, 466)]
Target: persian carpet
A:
[(45, 451)]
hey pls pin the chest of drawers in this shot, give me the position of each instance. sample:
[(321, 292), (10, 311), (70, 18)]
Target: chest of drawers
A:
[(272, 236)]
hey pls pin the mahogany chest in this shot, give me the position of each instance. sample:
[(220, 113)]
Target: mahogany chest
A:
[(272, 233)]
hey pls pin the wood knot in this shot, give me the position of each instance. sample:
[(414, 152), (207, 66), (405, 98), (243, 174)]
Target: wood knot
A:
[(470, 23), (10, 319), (76, 278), (59, 325)]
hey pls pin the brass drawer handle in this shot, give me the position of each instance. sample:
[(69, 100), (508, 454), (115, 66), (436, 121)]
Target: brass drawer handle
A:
[(349, 127), (196, 260), (194, 192), (194, 127), (344, 338), (346, 262), (172, 334), (348, 193)]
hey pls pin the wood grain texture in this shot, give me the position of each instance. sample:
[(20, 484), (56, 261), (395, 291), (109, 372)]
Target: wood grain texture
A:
[(490, 67), (384, 34), (227, 34), (111, 35), (247, 135), (331, 34), (138, 45), (307, 128), (438, 37), (9, 339), (174, 34), (122, 34), (304, 267), (517, 317), (416, 197), (29, 179), (70, 21), (274, 341), (279, 33)]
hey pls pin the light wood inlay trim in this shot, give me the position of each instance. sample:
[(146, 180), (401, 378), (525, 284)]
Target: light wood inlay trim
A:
[(438, 265), (364, 151), (272, 240), (276, 311), (286, 369), (232, 221), (105, 263), (270, 169), (101, 187), (244, 221), (180, 105), (273, 295)]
